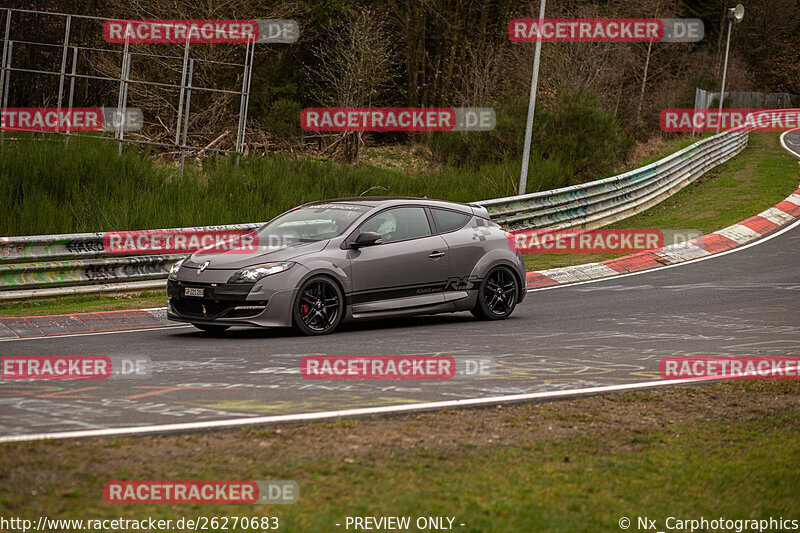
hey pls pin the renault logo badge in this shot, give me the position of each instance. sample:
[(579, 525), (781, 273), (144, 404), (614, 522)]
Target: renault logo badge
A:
[(203, 267)]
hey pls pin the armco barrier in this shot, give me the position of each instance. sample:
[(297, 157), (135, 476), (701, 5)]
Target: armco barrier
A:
[(80, 259), (598, 203), (74, 260)]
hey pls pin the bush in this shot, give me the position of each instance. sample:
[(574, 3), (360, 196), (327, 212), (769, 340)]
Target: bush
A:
[(283, 121), (581, 135), (573, 139)]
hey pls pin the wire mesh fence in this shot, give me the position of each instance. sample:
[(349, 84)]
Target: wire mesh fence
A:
[(192, 96)]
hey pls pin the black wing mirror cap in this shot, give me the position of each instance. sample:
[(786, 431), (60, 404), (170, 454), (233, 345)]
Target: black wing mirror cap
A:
[(368, 238)]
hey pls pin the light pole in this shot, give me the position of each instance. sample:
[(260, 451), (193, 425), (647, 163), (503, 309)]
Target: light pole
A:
[(526, 151), (735, 14)]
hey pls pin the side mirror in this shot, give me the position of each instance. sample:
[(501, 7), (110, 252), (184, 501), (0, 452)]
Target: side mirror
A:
[(368, 238)]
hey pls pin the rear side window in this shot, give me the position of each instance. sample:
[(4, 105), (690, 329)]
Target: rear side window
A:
[(448, 221)]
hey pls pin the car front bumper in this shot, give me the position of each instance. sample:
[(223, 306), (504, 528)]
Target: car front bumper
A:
[(230, 304)]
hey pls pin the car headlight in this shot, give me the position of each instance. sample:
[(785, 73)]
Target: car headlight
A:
[(173, 271), (254, 273)]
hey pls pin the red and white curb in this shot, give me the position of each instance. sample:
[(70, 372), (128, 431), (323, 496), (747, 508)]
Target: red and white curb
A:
[(725, 239)]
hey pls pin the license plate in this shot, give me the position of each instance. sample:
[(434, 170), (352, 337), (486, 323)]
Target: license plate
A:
[(194, 291)]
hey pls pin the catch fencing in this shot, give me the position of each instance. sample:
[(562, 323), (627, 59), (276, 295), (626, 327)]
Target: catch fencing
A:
[(59, 72)]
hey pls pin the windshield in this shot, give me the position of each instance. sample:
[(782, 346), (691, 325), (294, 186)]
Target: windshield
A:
[(313, 223)]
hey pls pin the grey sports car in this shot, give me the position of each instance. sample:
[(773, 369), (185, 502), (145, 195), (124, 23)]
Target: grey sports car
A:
[(326, 262)]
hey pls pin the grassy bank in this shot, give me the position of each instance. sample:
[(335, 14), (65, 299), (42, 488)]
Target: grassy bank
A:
[(728, 449), (89, 188)]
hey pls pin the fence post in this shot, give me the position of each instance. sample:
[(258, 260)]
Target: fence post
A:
[(122, 115), (183, 90), (6, 81), (247, 94), (242, 104), (71, 89), (186, 121), (122, 83), (63, 71), (3, 67)]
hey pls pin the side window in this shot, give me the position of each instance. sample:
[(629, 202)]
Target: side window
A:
[(449, 220), (399, 224)]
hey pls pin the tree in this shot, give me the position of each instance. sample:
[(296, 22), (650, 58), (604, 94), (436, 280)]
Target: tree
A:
[(353, 68)]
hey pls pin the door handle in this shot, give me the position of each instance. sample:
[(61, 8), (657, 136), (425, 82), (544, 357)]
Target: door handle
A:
[(436, 255)]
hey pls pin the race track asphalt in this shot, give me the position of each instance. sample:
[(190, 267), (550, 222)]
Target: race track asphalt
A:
[(607, 332)]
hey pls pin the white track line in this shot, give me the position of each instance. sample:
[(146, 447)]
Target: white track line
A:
[(364, 411)]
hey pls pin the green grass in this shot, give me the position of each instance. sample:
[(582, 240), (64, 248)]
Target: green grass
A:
[(84, 303), (756, 179), (88, 188), (735, 461)]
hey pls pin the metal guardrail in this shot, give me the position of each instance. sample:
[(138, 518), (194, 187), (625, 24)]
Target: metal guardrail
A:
[(45, 263), (598, 203), (81, 259)]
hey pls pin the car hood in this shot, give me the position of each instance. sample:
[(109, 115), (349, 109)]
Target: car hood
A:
[(234, 260)]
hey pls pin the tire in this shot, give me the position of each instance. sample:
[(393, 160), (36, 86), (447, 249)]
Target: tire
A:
[(318, 307), (210, 328), (497, 295)]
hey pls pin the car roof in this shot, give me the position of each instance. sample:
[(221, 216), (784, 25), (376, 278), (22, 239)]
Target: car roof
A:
[(384, 201)]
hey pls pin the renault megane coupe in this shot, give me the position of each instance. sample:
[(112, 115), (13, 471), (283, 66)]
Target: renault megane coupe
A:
[(350, 259)]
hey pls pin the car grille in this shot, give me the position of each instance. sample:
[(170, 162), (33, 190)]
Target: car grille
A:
[(217, 308)]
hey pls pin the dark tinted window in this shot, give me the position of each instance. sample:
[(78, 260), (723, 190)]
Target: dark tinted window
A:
[(399, 224), (449, 220)]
